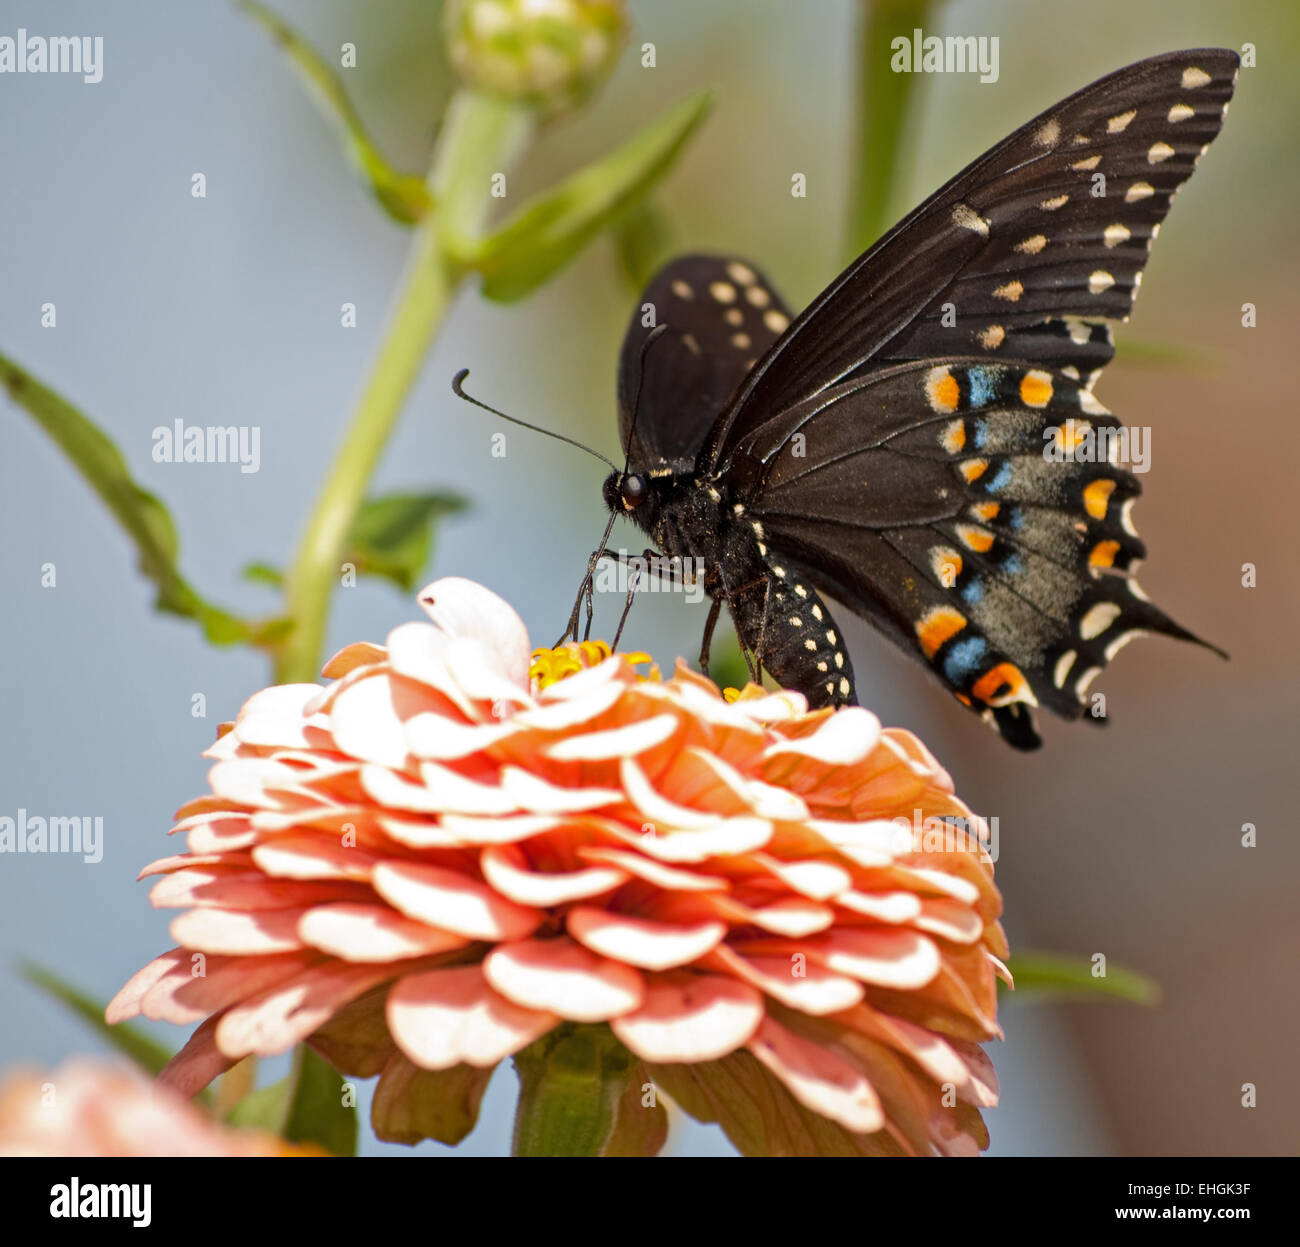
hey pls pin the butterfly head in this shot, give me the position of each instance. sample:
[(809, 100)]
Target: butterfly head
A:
[(626, 492)]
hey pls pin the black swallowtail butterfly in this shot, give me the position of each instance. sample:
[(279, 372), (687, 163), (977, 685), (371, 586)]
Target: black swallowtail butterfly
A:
[(891, 447)]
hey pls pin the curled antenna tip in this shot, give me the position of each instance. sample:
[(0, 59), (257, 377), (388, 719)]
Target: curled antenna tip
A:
[(458, 386)]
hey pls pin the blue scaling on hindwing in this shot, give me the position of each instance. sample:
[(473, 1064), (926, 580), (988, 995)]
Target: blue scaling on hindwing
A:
[(963, 659), (1000, 479), (983, 383)]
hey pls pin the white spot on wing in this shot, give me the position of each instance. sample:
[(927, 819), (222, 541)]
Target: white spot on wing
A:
[(1063, 665), (1122, 640), (1180, 112), (1056, 201), (1119, 123), (1116, 234), (966, 216), (1049, 134), (1097, 620), (1126, 517), (1139, 190), (723, 291), (776, 321), (1100, 281), (1032, 245), (742, 274), (1082, 684), (1158, 152), (1193, 78)]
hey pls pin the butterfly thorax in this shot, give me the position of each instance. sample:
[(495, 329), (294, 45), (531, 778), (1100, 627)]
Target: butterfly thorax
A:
[(779, 617)]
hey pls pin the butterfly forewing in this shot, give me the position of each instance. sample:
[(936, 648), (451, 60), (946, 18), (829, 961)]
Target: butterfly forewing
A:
[(721, 315), (1017, 239)]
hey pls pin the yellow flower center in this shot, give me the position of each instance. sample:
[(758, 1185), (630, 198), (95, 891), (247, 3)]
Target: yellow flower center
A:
[(550, 665)]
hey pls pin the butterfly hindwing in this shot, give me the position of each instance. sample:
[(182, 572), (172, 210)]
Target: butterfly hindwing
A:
[(985, 525), (721, 316)]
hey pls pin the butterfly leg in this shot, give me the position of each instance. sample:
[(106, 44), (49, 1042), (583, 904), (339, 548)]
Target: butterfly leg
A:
[(715, 609), (753, 661), (627, 607), (651, 559)]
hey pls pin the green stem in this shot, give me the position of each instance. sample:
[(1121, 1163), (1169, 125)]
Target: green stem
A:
[(883, 98), (570, 1085), (482, 135)]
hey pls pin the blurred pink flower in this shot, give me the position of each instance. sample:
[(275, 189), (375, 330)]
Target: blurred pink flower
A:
[(95, 1108), (439, 858)]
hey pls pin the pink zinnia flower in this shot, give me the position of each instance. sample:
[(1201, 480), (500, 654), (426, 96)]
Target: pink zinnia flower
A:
[(438, 859), (96, 1108)]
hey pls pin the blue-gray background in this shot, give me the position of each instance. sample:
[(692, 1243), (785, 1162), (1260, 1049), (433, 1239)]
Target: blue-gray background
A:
[(225, 310)]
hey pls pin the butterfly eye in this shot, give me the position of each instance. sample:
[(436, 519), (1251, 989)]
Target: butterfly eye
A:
[(633, 490)]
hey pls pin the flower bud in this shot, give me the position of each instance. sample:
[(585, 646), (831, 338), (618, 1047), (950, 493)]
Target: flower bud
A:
[(551, 53)]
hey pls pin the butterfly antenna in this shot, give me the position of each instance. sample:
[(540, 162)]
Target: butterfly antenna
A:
[(458, 385), (657, 332)]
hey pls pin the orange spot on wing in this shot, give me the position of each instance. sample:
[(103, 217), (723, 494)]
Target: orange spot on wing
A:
[(953, 437), (973, 469), (942, 390), (1096, 497), (1103, 554), (986, 510), (1000, 685), (975, 538), (947, 565), (937, 626), (1036, 389)]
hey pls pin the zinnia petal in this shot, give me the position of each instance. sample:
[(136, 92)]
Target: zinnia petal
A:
[(447, 1017)]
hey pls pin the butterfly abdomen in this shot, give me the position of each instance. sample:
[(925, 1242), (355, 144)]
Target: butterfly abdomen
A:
[(782, 619)]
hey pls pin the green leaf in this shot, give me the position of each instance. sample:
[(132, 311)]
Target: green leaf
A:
[(129, 1040), (883, 101), (392, 536), (727, 665), (142, 514), (1053, 976), (264, 573), (402, 195), (267, 1108), (554, 226), (412, 1104), (316, 1112), (642, 238)]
